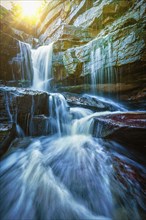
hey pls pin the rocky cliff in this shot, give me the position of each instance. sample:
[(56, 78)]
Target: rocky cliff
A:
[(102, 43)]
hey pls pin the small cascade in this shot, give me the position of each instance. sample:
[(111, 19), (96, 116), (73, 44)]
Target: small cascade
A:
[(26, 63), (7, 102), (84, 125), (13, 114), (22, 64), (59, 115), (102, 71), (96, 66), (42, 67), (110, 103), (78, 112)]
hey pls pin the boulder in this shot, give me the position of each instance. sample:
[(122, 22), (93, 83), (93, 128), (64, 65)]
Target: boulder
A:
[(21, 106), (94, 103), (128, 128)]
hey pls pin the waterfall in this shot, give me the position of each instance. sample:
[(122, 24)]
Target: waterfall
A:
[(26, 63), (42, 67), (22, 64), (95, 58), (68, 175), (12, 113), (59, 115), (102, 71)]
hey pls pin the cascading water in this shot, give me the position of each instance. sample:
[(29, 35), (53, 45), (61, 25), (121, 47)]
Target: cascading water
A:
[(26, 66), (12, 114), (22, 63), (69, 175), (42, 67), (102, 71), (59, 117)]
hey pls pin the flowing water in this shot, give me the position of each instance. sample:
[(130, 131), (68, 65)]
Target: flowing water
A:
[(26, 66), (22, 63), (69, 175), (102, 71), (42, 66)]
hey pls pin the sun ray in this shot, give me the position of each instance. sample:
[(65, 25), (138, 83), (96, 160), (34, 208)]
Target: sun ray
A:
[(30, 8)]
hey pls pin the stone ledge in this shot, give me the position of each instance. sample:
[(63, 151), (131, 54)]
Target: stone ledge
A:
[(127, 128)]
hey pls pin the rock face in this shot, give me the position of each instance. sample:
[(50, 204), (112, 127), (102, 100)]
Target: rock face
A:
[(58, 13), (128, 128), (11, 51), (97, 42), (16, 65), (7, 135), (22, 112)]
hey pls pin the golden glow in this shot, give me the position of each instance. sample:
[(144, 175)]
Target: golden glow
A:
[(30, 8)]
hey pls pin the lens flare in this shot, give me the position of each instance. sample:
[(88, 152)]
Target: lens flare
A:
[(30, 8)]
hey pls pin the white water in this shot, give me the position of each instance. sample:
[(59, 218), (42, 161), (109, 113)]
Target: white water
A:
[(69, 177), (59, 117), (115, 105), (26, 67), (102, 71), (22, 63), (42, 67)]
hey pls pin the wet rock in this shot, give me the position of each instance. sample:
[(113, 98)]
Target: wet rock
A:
[(125, 171), (40, 124), (103, 13), (68, 36), (16, 68), (9, 48), (21, 106), (116, 55), (90, 102), (129, 176), (136, 100), (128, 128), (58, 13), (7, 135), (101, 89), (20, 143)]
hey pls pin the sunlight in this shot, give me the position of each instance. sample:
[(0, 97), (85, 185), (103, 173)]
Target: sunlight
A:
[(30, 8)]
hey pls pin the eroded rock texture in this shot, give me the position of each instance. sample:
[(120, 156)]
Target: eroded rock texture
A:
[(98, 42), (128, 128), (14, 53), (22, 112)]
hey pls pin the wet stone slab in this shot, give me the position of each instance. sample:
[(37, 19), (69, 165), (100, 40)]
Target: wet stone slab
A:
[(128, 128)]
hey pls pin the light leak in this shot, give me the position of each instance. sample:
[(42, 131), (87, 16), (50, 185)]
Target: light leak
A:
[(30, 8)]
